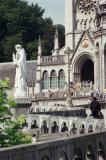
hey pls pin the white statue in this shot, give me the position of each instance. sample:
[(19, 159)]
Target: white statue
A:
[(19, 60)]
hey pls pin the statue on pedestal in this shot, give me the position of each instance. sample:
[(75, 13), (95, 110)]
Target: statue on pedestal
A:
[(19, 60)]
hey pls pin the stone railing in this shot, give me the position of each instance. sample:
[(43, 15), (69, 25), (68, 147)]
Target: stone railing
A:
[(92, 146), (60, 59)]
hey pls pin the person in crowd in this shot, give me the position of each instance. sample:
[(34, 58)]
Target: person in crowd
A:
[(95, 108)]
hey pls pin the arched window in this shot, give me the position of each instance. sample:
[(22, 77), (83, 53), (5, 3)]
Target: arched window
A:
[(45, 158), (63, 156), (53, 82), (82, 129), (77, 154), (90, 153), (73, 130), (44, 128), (45, 80), (64, 127), (54, 127), (34, 124), (61, 80), (101, 152), (90, 129)]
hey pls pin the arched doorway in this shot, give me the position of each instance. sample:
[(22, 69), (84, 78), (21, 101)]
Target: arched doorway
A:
[(87, 71), (90, 153), (77, 154), (54, 127), (63, 156), (84, 68), (101, 152)]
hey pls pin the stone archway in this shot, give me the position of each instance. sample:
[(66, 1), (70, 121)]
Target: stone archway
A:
[(87, 71), (90, 153), (84, 68), (101, 152)]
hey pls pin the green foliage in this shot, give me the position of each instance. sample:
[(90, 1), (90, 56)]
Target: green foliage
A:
[(9, 128), (23, 23)]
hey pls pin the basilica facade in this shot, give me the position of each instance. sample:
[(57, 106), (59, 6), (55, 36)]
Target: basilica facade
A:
[(83, 58)]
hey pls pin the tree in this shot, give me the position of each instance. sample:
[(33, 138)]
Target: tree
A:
[(9, 128), (23, 23)]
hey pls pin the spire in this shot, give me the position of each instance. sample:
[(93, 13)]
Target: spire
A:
[(39, 47), (56, 42)]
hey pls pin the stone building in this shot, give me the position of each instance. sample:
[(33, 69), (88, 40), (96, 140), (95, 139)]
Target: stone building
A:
[(85, 44), (75, 69), (82, 60)]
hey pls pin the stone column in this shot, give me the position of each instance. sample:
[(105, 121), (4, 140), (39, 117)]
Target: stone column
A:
[(69, 100), (103, 69), (38, 73), (97, 70), (38, 80)]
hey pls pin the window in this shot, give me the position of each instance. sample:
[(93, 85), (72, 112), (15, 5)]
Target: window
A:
[(54, 80), (61, 81), (63, 156), (45, 80), (44, 128)]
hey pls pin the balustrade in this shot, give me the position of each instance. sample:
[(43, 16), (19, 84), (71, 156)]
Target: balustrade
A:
[(52, 59)]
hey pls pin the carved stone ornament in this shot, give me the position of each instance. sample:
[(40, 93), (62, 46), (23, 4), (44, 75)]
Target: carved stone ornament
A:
[(87, 6)]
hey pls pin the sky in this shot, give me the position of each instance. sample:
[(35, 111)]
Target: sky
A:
[(53, 9)]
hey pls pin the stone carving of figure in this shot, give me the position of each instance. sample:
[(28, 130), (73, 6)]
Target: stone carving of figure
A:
[(19, 60)]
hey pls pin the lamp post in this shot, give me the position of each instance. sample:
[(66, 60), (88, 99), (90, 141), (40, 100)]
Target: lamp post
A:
[(69, 99)]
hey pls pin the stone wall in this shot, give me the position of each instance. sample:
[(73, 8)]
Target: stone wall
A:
[(92, 147)]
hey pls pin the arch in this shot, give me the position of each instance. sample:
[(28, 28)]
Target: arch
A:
[(90, 128), (97, 47), (87, 71), (82, 129), (80, 63), (90, 153), (77, 154), (34, 124), (45, 80), (62, 156), (101, 152), (73, 130), (44, 127), (54, 127), (45, 157), (61, 78), (53, 80), (64, 127)]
